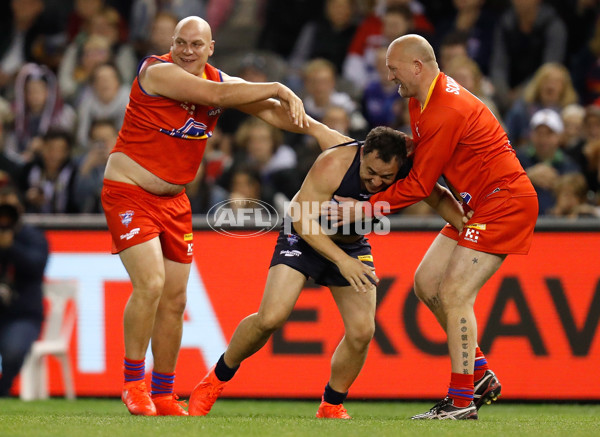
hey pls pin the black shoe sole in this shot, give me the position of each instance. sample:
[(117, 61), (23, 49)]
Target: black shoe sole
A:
[(489, 397)]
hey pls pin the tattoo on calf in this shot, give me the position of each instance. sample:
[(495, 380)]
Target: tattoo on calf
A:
[(475, 260), (465, 345)]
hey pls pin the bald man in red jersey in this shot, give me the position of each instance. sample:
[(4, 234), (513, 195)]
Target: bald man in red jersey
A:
[(457, 137), (174, 105)]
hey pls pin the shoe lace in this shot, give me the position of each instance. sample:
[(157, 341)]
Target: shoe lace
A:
[(214, 390), (181, 403), (339, 409), (138, 390)]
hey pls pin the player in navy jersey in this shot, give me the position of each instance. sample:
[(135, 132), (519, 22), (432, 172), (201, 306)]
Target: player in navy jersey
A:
[(342, 262)]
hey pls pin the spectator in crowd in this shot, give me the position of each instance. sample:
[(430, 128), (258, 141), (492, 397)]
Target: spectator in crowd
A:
[(48, 181), (261, 145), (528, 35), (320, 83), (23, 256), (25, 24), (550, 87), (81, 16), (380, 99), (571, 196), (106, 24), (10, 166), (252, 67), (422, 24), (581, 19), (38, 106), (335, 117), (467, 73), (246, 184), (359, 66), (79, 62), (204, 192), (585, 68), (586, 152), (477, 24), (453, 45), (90, 174), (328, 37), (106, 98), (161, 35), (283, 22), (543, 160), (369, 34), (572, 116)]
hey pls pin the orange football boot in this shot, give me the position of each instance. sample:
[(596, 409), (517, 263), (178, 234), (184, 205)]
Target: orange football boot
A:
[(205, 394), (331, 411), (169, 405), (136, 398)]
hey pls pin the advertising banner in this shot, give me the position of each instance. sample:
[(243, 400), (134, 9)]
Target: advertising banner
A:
[(538, 320)]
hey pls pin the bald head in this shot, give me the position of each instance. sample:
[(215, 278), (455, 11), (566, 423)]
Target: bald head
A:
[(192, 44), (412, 46), (194, 23), (412, 66)]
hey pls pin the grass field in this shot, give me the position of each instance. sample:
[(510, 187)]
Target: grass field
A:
[(108, 417)]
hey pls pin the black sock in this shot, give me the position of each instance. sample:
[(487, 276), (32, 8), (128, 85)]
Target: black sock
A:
[(333, 397), (224, 372)]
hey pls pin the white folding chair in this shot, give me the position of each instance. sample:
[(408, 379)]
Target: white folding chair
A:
[(54, 340)]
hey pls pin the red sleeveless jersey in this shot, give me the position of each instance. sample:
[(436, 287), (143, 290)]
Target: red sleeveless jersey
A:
[(165, 136)]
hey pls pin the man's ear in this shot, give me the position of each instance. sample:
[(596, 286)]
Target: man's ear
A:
[(417, 66)]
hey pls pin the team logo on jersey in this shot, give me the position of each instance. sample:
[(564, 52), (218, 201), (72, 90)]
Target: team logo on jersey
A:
[(188, 237), (292, 239), (189, 108), (365, 258), (472, 235), (126, 217), (290, 253), (191, 130)]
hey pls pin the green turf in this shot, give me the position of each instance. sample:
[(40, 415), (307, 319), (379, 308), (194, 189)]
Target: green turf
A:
[(107, 417)]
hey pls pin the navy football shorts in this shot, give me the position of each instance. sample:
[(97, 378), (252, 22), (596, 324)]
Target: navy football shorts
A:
[(293, 251)]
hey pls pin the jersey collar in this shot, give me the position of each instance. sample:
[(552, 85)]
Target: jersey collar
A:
[(431, 87)]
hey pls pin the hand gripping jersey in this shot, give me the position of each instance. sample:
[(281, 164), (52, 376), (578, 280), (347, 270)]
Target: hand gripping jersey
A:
[(456, 135), (165, 136)]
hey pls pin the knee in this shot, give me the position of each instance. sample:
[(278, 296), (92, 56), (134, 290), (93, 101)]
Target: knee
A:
[(149, 286), (175, 304), (423, 285), (269, 323), (361, 334)]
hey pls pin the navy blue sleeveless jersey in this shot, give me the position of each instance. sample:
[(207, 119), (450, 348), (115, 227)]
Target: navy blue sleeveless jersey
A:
[(351, 185)]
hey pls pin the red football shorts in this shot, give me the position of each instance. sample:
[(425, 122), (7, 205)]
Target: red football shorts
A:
[(135, 216), (502, 224)]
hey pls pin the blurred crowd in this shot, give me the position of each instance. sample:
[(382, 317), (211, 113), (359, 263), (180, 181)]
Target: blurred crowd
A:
[(66, 67)]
